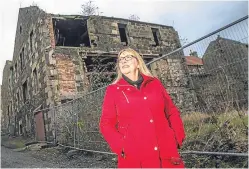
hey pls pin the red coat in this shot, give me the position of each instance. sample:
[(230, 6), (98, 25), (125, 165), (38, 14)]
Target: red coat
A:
[(144, 123)]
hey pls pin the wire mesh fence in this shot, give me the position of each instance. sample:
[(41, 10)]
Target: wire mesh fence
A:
[(209, 86)]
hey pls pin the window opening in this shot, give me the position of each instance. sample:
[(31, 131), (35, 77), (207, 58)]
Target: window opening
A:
[(71, 32), (155, 33), (122, 33), (24, 90)]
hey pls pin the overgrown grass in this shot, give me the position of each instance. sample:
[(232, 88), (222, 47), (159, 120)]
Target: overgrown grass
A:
[(223, 132), (12, 143)]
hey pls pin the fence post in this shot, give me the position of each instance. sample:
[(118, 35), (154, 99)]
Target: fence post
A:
[(74, 127), (77, 127), (55, 127)]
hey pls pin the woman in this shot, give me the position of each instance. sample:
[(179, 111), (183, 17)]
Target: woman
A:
[(139, 120)]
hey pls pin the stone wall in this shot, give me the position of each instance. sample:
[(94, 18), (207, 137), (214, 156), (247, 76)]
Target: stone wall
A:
[(195, 69), (173, 74), (104, 31), (225, 82), (6, 101), (29, 67)]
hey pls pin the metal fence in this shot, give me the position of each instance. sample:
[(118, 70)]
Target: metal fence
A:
[(212, 98)]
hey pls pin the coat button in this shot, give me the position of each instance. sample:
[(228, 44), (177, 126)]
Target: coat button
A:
[(151, 121), (145, 98), (128, 89), (117, 87), (155, 148)]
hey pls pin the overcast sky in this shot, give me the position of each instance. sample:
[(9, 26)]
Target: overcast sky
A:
[(192, 19)]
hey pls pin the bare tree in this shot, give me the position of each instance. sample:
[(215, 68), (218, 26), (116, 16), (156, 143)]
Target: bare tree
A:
[(134, 17), (89, 8), (183, 40)]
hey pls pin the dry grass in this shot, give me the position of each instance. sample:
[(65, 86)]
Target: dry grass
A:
[(223, 132)]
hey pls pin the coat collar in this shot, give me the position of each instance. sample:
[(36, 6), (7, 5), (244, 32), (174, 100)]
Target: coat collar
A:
[(123, 82)]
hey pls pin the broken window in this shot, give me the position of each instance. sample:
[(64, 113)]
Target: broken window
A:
[(100, 70), (20, 129), (100, 64), (71, 32), (31, 41), (8, 111), (16, 72), (35, 80), (155, 33), (25, 91), (122, 33), (20, 29), (11, 76), (22, 58)]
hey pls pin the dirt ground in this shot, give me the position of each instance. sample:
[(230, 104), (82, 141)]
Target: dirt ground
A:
[(14, 154)]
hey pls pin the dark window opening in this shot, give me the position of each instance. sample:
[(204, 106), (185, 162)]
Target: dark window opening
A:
[(31, 41), (155, 32), (100, 64), (20, 126), (20, 29), (71, 32), (17, 97), (25, 91), (122, 33), (16, 71), (22, 58), (100, 71), (8, 111), (35, 80)]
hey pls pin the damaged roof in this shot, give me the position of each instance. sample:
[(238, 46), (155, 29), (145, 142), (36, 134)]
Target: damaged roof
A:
[(193, 61), (104, 17)]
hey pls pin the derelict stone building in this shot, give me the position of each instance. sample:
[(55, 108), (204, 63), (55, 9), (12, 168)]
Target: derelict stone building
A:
[(56, 58)]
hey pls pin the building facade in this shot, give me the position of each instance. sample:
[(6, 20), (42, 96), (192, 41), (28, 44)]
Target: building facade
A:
[(60, 57), (6, 99), (224, 85)]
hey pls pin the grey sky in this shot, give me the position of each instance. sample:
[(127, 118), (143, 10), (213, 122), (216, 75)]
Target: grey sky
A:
[(192, 19)]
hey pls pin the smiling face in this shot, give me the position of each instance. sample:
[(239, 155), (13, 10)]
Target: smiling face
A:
[(127, 63)]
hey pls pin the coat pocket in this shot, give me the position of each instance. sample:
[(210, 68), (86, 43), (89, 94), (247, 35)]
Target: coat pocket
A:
[(129, 147), (122, 130)]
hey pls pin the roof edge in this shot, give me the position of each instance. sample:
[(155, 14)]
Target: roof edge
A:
[(107, 17)]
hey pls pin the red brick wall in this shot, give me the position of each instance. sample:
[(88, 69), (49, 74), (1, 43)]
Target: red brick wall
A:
[(51, 32), (66, 73)]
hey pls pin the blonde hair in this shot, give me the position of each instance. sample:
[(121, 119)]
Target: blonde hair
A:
[(142, 67)]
